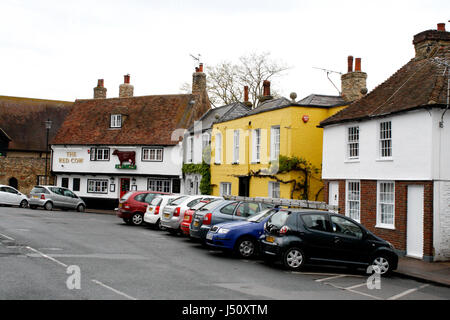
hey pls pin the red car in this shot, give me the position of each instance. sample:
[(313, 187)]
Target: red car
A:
[(188, 217), (133, 205)]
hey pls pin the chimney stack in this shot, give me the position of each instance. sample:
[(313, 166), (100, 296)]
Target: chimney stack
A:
[(246, 101), (198, 80), (126, 89), (100, 90), (427, 42), (353, 83), (266, 92)]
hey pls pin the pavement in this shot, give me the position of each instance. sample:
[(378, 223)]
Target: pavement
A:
[(435, 272)]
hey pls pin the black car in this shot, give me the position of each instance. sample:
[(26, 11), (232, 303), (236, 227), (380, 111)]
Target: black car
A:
[(298, 237)]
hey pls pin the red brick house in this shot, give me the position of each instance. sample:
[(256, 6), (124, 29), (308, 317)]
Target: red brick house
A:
[(386, 157)]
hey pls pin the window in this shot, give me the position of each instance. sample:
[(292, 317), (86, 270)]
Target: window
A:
[(190, 149), (116, 121), (140, 197), (274, 143), (353, 199), (225, 188), (274, 189), (65, 182), (385, 204), (176, 185), (205, 140), (152, 154), (385, 139), (317, 222), (218, 151), (353, 143), (76, 184), (99, 154), (345, 227), (256, 143), (247, 209), (236, 146), (229, 209), (97, 186), (158, 185)]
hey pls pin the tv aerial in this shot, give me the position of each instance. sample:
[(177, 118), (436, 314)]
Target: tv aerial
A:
[(196, 58), (328, 73)]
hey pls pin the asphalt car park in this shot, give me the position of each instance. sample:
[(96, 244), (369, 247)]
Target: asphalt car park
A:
[(120, 261)]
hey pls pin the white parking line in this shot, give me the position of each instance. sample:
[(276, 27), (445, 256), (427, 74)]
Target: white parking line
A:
[(5, 236), (356, 286), (330, 278), (114, 290), (48, 257), (404, 293)]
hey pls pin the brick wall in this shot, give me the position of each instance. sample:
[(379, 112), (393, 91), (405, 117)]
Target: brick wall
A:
[(368, 211)]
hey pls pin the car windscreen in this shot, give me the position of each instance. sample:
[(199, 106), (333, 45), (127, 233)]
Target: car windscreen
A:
[(211, 205), (39, 190), (262, 215), (177, 201)]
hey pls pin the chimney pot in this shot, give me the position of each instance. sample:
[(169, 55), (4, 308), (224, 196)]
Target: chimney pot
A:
[(200, 67), (100, 83), (441, 26), (126, 78), (358, 64), (266, 88), (245, 93), (350, 64)]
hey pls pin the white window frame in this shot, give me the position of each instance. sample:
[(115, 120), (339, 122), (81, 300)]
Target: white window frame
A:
[(274, 189), (350, 198), (385, 201), (190, 149), (152, 154), (385, 136), (256, 145), (116, 121), (225, 188), (275, 134), (159, 185), (236, 146), (206, 140), (218, 148), (99, 154), (97, 186), (353, 142)]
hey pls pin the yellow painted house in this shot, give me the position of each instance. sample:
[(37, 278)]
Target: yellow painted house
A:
[(249, 150)]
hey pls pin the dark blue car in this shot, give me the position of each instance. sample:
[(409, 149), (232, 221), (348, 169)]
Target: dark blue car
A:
[(239, 236)]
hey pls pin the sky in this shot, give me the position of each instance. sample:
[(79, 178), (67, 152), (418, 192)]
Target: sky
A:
[(58, 49)]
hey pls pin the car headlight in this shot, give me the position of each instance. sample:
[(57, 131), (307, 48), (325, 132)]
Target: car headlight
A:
[(223, 230)]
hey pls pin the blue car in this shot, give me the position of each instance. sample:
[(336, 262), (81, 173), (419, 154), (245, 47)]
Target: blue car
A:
[(239, 236)]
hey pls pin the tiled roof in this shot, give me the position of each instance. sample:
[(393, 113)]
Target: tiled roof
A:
[(236, 110), (321, 100), (147, 120), (419, 83), (22, 119), (211, 116)]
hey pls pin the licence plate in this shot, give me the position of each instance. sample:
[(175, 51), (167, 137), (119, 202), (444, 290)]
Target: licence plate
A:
[(186, 218), (209, 236), (120, 205), (35, 197), (196, 223), (150, 209), (270, 239), (166, 215)]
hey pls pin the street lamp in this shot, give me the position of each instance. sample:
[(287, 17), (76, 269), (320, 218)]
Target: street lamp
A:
[(48, 125)]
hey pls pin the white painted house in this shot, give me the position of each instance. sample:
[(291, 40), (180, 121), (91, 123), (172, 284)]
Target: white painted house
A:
[(386, 157), (106, 147)]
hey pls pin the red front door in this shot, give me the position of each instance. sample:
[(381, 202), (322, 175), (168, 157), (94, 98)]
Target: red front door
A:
[(124, 186)]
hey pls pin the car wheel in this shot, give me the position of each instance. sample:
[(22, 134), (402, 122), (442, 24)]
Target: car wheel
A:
[(48, 206), (158, 225), (245, 247), (137, 219), (383, 263), (23, 204), (294, 258), (81, 208)]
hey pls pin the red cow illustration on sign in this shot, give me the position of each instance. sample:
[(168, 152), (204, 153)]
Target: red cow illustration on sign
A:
[(125, 156)]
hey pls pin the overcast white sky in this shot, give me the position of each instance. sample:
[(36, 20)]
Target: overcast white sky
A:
[(58, 49)]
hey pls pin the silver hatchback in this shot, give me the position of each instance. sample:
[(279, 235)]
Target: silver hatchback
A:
[(50, 197)]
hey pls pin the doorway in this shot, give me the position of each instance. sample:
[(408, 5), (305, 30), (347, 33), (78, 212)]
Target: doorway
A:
[(244, 186), (124, 186), (13, 183), (333, 193), (414, 223)]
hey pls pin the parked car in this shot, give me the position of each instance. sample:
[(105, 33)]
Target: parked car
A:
[(50, 197), (186, 223), (154, 210), (242, 237), (297, 237), (12, 197), (173, 213), (217, 212), (133, 205)]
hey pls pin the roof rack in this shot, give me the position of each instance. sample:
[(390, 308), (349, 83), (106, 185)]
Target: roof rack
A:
[(287, 202)]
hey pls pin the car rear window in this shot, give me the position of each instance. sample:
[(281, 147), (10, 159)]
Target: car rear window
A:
[(126, 196), (279, 219), (156, 201), (200, 204), (211, 205), (177, 201), (193, 202), (39, 190), (140, 197), (149, 197)]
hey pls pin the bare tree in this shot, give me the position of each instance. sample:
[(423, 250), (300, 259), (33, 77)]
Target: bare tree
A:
[(226, 80)]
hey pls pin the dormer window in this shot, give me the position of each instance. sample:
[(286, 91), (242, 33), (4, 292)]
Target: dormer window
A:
[(116, 121)]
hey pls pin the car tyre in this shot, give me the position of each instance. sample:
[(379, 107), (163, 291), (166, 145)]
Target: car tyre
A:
[(384, 263), (81, 208), (23, 204), (158, 225), (246, 248), (137, 219), (48, 206), (294, 259)]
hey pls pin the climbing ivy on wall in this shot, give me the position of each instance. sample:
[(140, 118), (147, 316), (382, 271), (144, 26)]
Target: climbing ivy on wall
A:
[(204, 170)]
